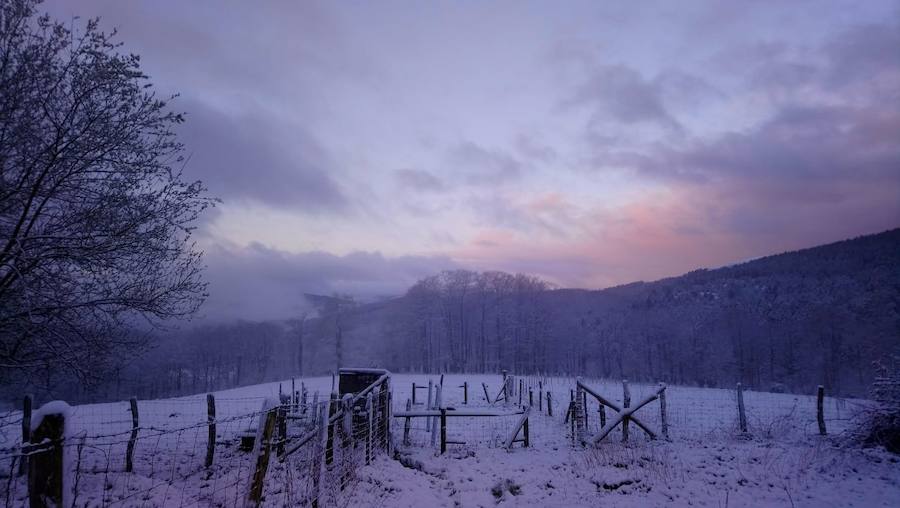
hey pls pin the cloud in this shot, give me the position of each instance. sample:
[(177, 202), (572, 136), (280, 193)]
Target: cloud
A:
[(419, 180), (259, 283), (252, 157), (482, 166), (530, 148), (619, 93)]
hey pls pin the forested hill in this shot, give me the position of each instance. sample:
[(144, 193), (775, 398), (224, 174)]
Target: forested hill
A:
[(799, 319), (816, 316)]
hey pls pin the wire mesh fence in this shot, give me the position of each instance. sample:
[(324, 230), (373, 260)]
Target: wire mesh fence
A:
[(199, 450), (160, 453)]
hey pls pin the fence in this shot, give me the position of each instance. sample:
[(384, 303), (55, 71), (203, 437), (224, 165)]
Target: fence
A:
[(195, 451), (698, 413)]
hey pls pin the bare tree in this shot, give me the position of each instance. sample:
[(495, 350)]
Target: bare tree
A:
[(95, 218)]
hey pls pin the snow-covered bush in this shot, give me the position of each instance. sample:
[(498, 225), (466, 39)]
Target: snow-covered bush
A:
[(882, 423)]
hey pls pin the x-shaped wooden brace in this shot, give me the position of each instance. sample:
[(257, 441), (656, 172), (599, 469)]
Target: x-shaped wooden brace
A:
[(621, 413)]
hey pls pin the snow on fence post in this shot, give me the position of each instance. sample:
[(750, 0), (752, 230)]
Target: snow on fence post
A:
[(820, 409), (664, 421), (626, 403), (26, 431), (46, 462), (211, 420), (742, 415), (129, 451)]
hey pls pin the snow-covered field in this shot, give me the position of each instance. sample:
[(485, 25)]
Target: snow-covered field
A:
[(706, 462)]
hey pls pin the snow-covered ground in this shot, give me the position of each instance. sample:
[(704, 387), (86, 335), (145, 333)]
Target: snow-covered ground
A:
[(783, 462)]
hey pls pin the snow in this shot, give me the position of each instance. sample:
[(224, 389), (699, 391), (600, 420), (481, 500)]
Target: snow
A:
[(55, 407), (782, 463)]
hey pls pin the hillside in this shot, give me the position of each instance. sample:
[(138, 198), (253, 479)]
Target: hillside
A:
[(785, 322), (789, 321)]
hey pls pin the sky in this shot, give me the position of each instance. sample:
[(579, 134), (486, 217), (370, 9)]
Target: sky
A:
[(360, 146)]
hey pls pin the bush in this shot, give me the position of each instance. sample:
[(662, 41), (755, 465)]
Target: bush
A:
[(882, 424)]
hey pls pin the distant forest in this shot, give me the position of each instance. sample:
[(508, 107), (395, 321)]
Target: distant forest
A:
[(785, 322)]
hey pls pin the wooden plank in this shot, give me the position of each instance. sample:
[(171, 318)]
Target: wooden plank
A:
[(518, 427), (620, 417), (614, 407)]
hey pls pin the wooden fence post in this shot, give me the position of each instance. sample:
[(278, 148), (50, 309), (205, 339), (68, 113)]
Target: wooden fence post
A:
[(346, 437), (549, 405), (540, 396), (414, 392), (602, 410), (430, 401), (820, 409), (626, 403), (525, 430), (407, 423), (370, 407), (584, 407), (281, 423), (329, 444), (438, 404), (321, 418), (388, 414), (129, 451), (664, 421), (26, 431), (465, 387), (46, 464), (443, 431), (303, 397), (530, 397), (262, 446), (487, 398), (211, 420), (742, 416), (315, 407), (293, 396)]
